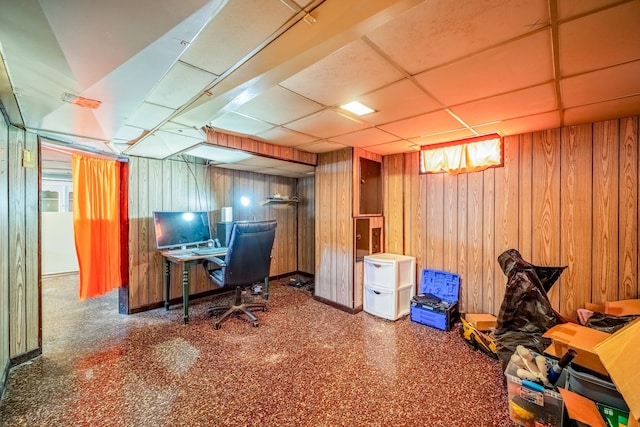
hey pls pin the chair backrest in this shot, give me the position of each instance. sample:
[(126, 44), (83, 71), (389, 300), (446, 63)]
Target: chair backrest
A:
[(248, 256)]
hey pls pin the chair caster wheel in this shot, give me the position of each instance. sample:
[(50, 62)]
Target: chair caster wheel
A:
[(255, 324), (264, 308), (216, 326)]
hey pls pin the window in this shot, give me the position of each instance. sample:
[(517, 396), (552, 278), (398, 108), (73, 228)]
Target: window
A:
[(56, 196), (467, 155)]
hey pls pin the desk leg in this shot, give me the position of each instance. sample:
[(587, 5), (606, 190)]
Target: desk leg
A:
[(185, 292), (166, 282), (265, 291)]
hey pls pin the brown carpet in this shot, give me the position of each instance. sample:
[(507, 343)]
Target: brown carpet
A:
[(307, 364)]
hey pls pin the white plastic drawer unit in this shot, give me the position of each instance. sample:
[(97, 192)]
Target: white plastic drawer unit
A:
[(389, 271), (387, 303)]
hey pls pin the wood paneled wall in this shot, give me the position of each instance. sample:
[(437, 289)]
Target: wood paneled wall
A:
[(19, 249), (564, 197), (334, 248), (177, 185), (4, 253), (306, 225)]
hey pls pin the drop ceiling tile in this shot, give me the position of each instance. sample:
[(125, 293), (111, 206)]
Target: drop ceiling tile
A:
[(624, 107), (345, 74), (396, 101), (148, 116), (522, 63), (182, 83), (263, 162), (438, 121), (297, 167), (236, 166), (239, 123), (610, 83), (279, 106), (234, 32), (600, 40), (535, 122), (439, 31), (365, 138), (127, 133), (325, 124), (570, 8), (394, 148), (535, 100), (160, 145), (286, 137), (321, 147), (441, 137)]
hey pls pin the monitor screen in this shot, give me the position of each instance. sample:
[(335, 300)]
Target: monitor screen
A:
[(175, 229)]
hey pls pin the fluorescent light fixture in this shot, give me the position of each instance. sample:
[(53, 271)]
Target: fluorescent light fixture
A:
[(357, 108), (80, 101), (245, 201), (217, 154)]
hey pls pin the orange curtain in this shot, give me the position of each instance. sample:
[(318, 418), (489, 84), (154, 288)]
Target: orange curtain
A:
[(470, 155), (96, 223)]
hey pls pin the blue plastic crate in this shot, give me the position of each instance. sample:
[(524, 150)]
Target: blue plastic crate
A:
[(442, 284), (445, 286)]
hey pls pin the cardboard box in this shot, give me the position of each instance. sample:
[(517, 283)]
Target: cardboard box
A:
[(581, 409), (627, 307), (443, 286), (582, 340), (620, 354), (481, 321)]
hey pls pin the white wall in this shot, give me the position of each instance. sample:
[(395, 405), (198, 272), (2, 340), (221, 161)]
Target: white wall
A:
[(58, 246)]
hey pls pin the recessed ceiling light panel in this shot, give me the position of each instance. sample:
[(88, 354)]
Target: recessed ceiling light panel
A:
[(357, 108)]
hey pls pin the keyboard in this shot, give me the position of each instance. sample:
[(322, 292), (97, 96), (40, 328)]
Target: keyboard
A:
[(209, 251)]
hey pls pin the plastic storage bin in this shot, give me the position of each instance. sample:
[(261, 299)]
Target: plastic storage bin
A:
[(389, 270), (595, 388), (387, 303), (444, 286), (533, 405)]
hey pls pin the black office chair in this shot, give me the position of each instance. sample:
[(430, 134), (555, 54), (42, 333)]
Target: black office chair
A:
[(247, 261)]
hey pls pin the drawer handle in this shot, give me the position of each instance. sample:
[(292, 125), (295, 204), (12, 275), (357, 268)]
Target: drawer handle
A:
[(376, 292), (377, 265)]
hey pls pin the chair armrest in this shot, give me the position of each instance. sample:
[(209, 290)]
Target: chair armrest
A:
[(218, 261)]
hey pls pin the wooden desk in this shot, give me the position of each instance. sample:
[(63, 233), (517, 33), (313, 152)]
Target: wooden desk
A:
[(185, 258)]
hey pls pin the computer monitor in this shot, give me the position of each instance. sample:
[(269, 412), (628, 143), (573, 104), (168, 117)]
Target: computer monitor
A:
[(176, 229)]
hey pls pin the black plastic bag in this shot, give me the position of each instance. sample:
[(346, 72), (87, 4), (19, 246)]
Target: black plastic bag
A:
[(607, 323), (526, 313)]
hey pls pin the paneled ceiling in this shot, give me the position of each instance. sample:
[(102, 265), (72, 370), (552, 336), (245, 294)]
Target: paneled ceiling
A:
[(279, 70)]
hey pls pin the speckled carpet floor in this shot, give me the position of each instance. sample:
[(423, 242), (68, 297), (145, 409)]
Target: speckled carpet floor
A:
[(307, 364)]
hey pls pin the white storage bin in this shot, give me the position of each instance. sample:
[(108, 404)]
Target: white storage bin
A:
[(387, 303), (390, 271)]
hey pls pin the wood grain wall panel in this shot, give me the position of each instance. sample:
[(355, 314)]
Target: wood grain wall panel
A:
[(415, 211), (450, 261), (463, 226), (435, 221), (334, 228), (323, 214), (628, 211), (393, 203), (344, 230), (134, 221), (32, 248), (576, 202), (306, 225), (156, 193), (525, 211), (488, 240), (546, 203), (16, 238), (506, 213), (605, 214), (144, 233), (474, 285), (5, 306)]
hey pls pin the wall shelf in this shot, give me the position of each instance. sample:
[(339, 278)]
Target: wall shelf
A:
[(283, 200)]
